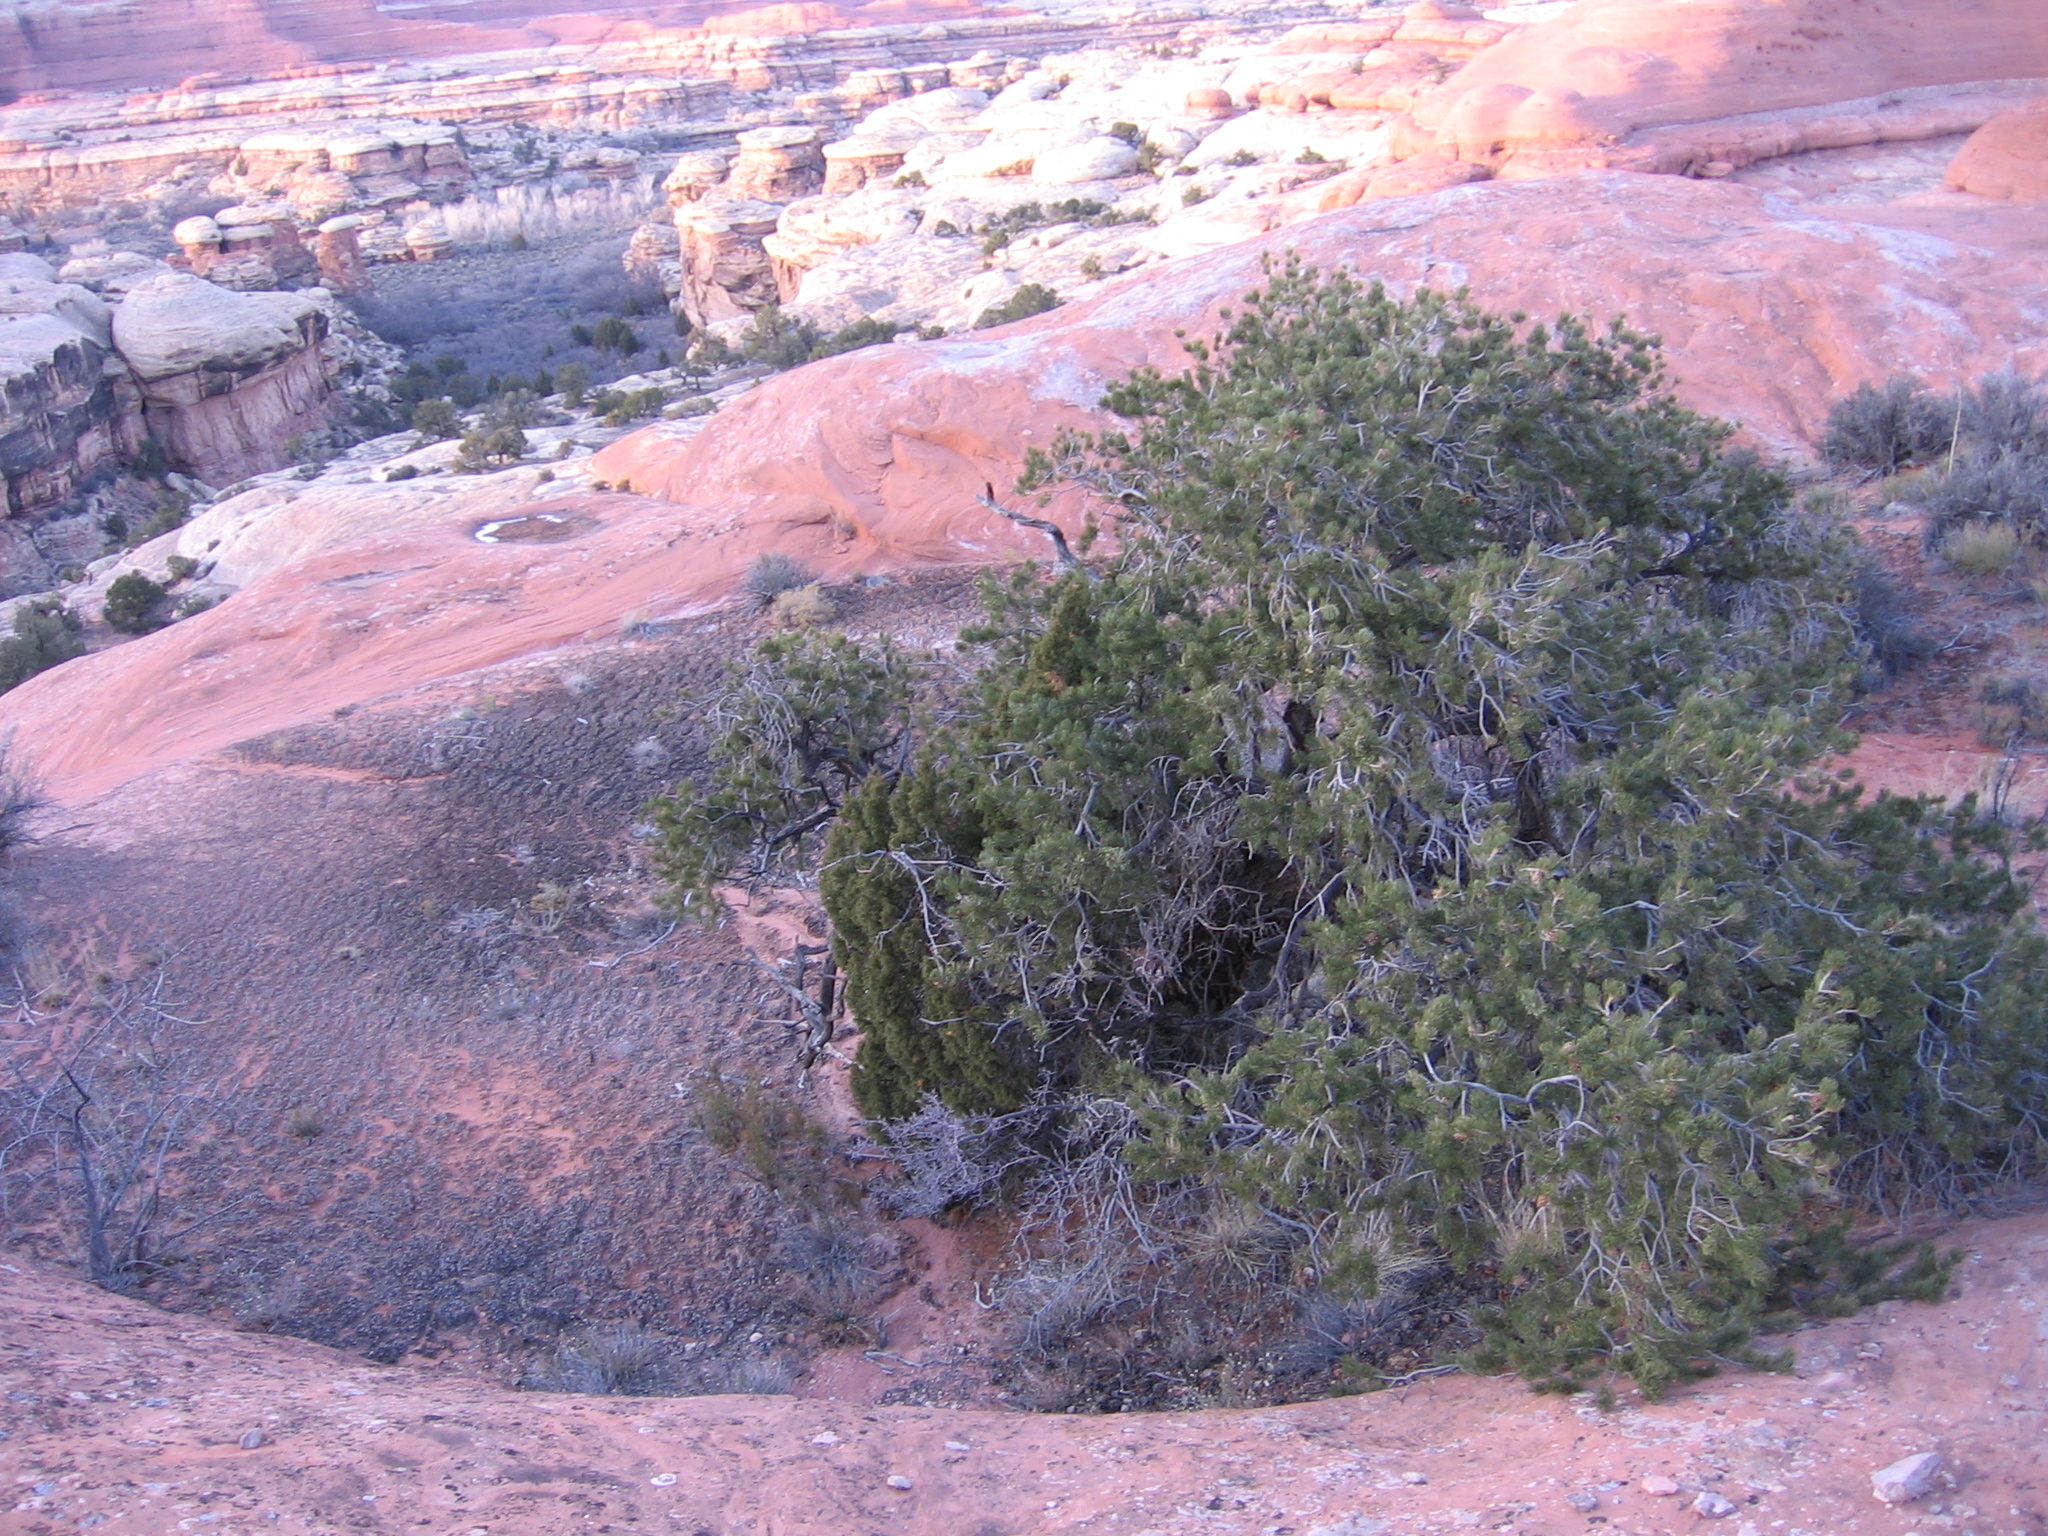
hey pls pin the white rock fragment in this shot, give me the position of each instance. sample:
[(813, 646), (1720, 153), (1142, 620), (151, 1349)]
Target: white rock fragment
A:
[(1098, 159), (1415, 1479), (1906, 1480), (899, 1482), (1585, 1503), (1713, 1505), (1357, 1525)]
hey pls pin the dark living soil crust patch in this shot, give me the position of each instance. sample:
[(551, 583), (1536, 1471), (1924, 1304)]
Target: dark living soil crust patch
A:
[(348, 911)]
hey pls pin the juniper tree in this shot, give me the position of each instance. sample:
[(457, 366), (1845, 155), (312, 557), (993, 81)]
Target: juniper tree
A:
[(1420, 818)]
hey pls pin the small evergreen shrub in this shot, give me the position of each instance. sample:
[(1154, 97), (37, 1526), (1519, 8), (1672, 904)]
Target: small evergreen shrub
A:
[(794, 731), (46, 633), (488, 448), (866, 332), (1419, 830), (134, 604), (436, 421), (612, 334), (1030, 299), (779, 340)]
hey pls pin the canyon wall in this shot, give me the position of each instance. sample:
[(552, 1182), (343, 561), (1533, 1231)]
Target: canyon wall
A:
[(226, 379), (71, 45), (223, 381), (69, 411)]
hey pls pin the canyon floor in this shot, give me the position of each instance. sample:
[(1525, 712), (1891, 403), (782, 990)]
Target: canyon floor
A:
[(356, 852)]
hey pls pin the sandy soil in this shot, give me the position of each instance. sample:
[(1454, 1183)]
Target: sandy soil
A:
[(343, 912), (120, 1416)]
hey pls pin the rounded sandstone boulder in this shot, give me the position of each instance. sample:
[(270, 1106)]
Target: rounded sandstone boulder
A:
[(180, 324), (1097, 159), (2007, 157)]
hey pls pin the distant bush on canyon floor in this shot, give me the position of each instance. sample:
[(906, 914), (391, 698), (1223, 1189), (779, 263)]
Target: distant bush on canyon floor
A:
[(1395, 905)]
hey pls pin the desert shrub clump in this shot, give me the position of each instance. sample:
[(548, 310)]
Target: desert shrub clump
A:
[(1981, 453), (1030, 299), (774, 574), (45, 634), (1414, 837), (1884, 430), (2012, 707), (490, 447), (784, 341), (134, 604)]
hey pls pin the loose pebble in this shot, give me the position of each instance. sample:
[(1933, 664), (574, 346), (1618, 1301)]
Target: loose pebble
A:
[(252, 1439), (899, 1482), (1713, 1505)]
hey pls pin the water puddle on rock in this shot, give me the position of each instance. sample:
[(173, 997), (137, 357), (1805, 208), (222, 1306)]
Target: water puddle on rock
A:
[(529, 528)]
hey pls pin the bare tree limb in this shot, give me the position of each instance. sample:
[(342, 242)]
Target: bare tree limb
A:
[(1063, 554)]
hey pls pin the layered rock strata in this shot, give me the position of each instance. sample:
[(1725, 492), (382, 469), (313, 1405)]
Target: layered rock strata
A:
[(726, 273), (69, 412), (776, 165), (1620, 85), (226, 379)]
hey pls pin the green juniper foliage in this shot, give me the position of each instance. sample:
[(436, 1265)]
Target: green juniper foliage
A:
[(1419, 820), (45, 634), (801, 724)]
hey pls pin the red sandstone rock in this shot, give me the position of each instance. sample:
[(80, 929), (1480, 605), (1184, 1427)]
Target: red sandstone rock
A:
[(227, 379), (776, 165), (693, 176), (68, 411), (153, 42), (726, 274), (852, 163), (1630, 66), (2007, 157), (874, 460), (1964, 1373), (341, 257)]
